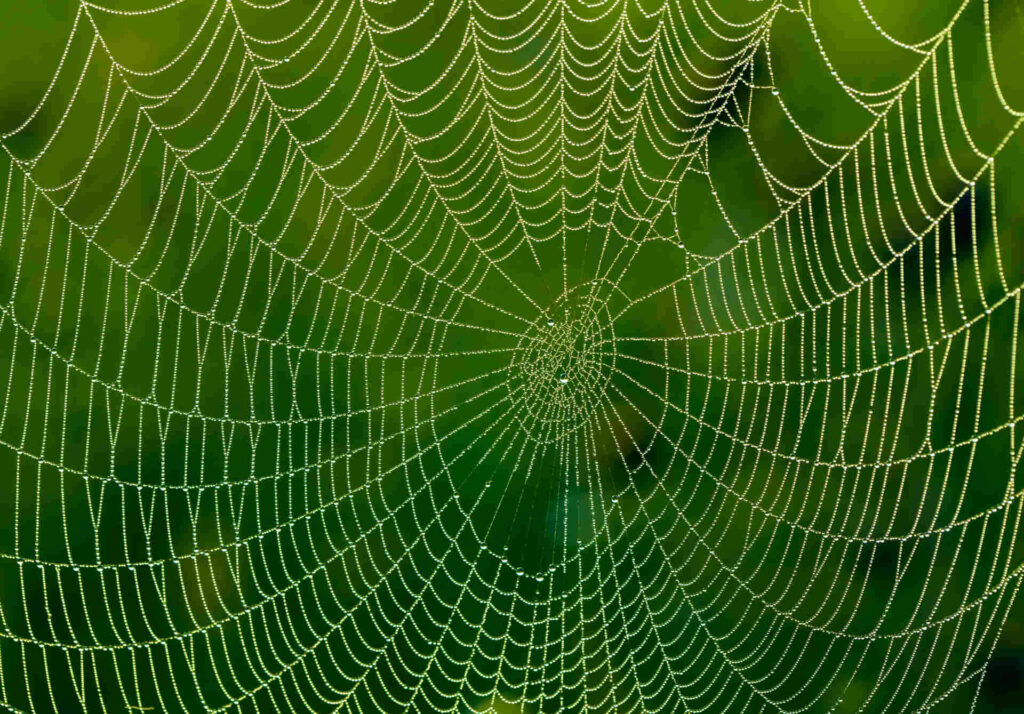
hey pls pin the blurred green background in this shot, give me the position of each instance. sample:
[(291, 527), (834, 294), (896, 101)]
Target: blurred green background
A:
[(282, 406)]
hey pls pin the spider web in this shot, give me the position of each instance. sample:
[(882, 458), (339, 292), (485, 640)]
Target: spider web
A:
[(488, 356)]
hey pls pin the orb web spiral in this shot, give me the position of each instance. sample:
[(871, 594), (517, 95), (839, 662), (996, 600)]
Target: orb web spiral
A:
[(510, 356)]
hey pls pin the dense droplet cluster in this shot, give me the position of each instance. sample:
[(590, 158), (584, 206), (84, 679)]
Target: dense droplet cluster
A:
[(562, 363)]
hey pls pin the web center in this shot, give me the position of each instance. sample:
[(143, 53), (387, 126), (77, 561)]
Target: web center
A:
[(561, 365)]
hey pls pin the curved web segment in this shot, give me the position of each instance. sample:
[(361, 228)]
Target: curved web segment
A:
[(538, 356)]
